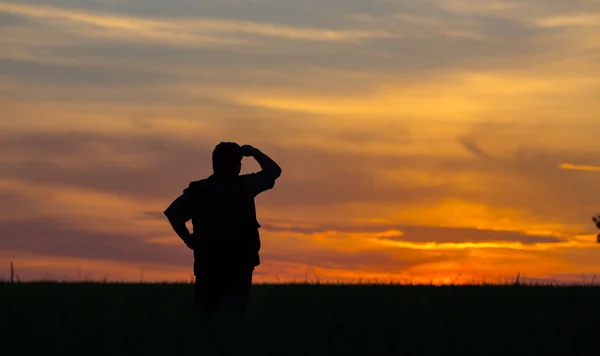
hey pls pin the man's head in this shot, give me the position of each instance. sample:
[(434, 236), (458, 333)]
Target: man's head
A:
[(227, 159)]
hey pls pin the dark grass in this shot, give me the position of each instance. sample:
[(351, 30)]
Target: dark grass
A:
[(302, 319)]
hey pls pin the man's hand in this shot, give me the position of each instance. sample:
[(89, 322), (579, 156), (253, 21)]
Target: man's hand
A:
[(247, 151)]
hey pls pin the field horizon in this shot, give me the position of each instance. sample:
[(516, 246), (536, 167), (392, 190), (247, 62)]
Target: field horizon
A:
[(457, 281), (303, 318), (519, 278)]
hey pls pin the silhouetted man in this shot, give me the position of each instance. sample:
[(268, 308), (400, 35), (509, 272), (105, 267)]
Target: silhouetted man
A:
[(225, 237)]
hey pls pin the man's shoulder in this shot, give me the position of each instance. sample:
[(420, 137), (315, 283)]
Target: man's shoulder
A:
[(196, 185), (257, 182), (247, 176)]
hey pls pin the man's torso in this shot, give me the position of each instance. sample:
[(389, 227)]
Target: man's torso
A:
[(225, 227)]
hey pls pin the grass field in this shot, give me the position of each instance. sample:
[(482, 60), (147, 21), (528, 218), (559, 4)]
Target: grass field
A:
[(302, 319)]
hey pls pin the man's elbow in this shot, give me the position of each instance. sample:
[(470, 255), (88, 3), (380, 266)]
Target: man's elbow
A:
[(176, 222), (173, 217), (273, 175), (277, 172)]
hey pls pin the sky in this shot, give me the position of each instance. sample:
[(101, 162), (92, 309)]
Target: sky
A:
[(431, 140)]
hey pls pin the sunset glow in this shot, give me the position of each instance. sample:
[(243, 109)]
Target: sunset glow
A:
[(438, 141)]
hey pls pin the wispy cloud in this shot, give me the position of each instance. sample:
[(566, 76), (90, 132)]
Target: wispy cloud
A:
[(473, 147), (483, 8), (483, 245), (570, 20), (190, 30), (574, 167)]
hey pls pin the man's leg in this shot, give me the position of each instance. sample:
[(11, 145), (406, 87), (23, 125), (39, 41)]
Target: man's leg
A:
[(205, 302), (207, 298), (237, 294)]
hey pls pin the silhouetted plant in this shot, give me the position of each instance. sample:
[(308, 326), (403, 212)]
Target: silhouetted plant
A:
[(597, 222)]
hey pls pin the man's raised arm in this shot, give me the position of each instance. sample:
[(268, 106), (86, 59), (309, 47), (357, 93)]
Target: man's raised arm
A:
[(269, 167), (270, 171)]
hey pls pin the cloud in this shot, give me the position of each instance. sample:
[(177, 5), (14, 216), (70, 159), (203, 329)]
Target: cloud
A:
[(419, 235), (570, 20), (473, 147), (140, 166), (152, 215), (328, 38), (184, 31), (514, 9), (69, 74), (570, 166), (56, 238), (359, 261), (488, 131), (13, 204), (143, 167), (463, 235), (72, 46)]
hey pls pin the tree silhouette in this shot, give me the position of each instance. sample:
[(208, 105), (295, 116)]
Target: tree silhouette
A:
[(597, 222)]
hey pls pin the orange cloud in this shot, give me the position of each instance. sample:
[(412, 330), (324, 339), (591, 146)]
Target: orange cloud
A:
[(573, 167)]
